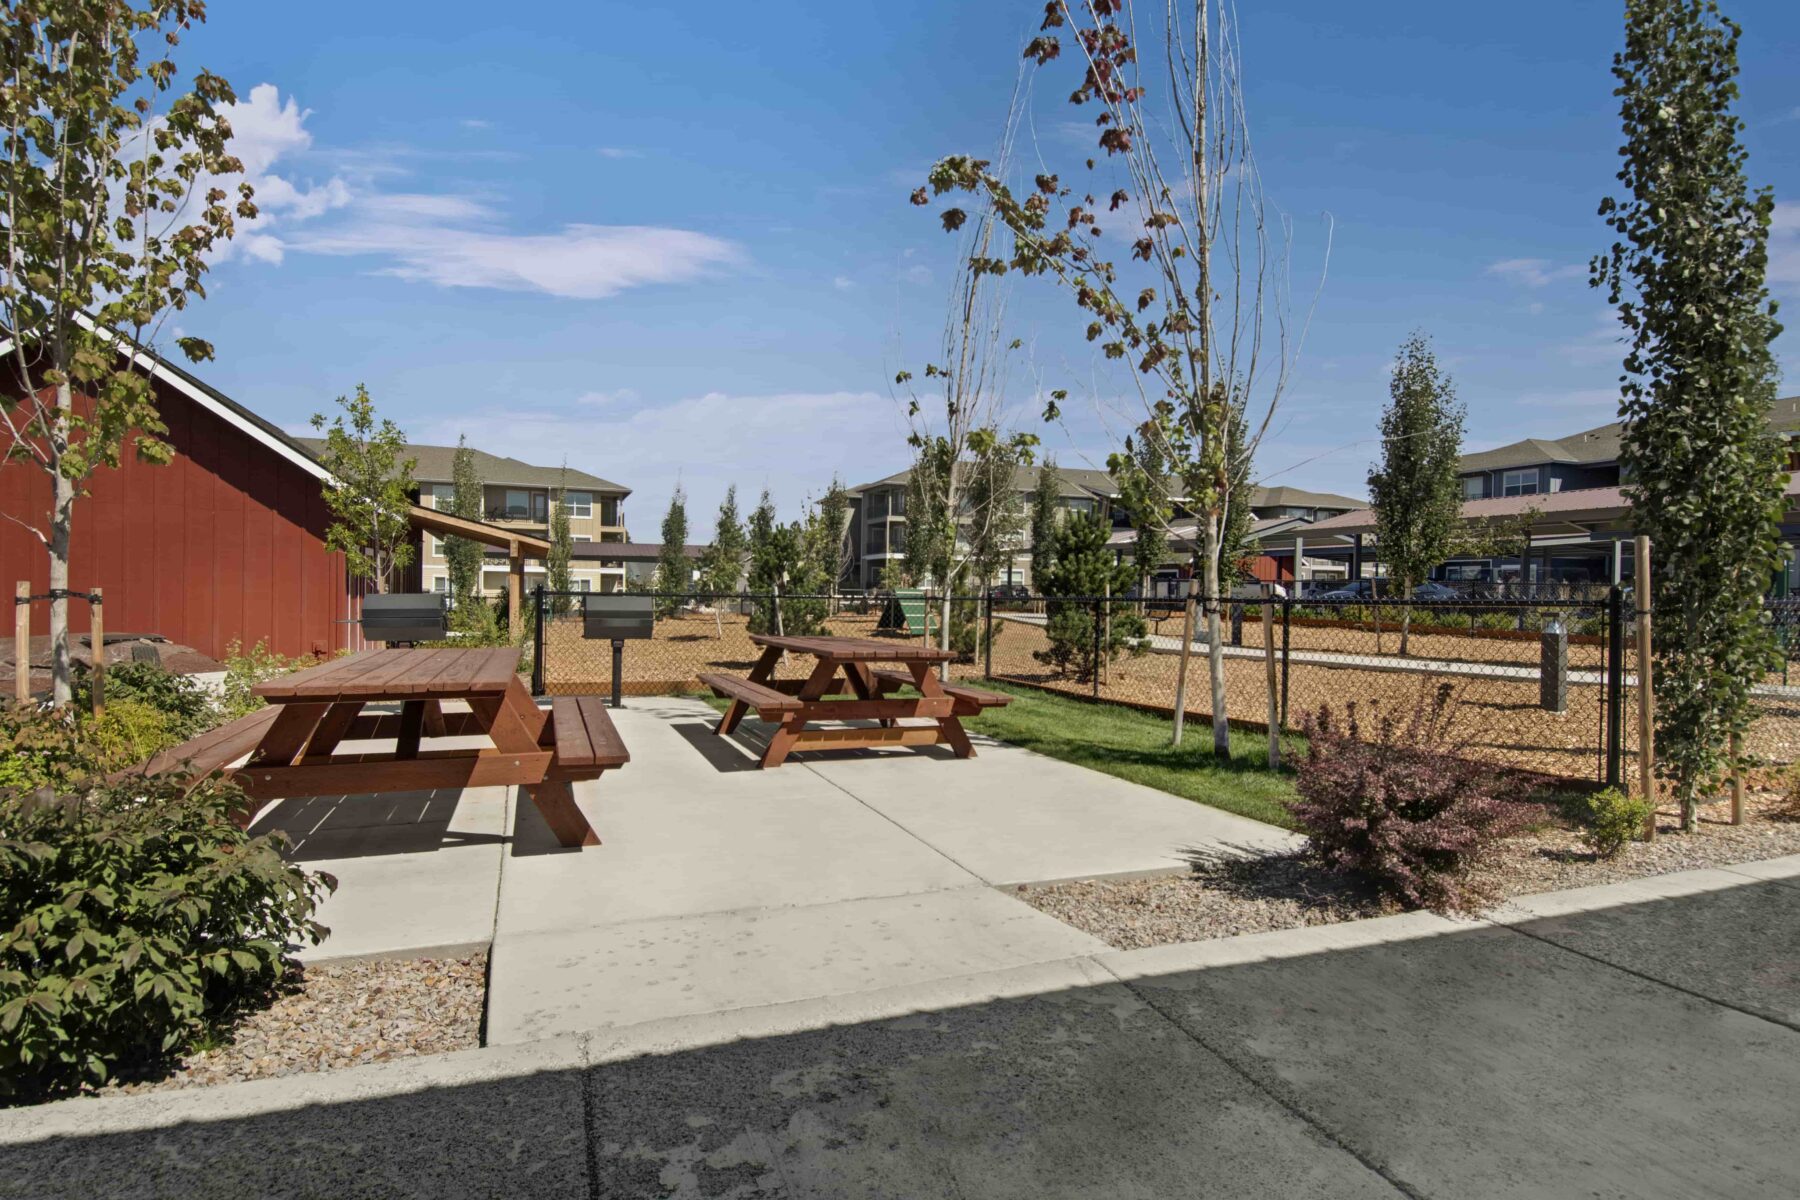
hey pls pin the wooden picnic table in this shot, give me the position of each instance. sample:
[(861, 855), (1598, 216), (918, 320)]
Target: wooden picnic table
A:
[(293, 744), (846, 685)]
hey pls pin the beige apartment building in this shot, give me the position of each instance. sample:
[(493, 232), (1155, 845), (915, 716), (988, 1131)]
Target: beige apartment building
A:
[(522, 496)]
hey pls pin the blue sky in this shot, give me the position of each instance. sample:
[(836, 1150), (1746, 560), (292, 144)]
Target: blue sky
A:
[(673, 241)]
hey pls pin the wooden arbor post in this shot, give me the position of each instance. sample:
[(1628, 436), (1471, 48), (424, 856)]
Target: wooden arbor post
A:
[(515, 591)]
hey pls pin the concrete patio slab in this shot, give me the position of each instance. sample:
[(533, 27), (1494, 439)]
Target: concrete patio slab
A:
[(418, 872), (569, 980), (1012, 816), (1482, 1063), (682, 837), (1778, 870)]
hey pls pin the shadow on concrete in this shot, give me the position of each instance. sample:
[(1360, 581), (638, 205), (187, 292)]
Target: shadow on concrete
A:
[(359, 826), (1620, 1052)]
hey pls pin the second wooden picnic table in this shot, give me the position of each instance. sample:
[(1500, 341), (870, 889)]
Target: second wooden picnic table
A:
[(845, 684)]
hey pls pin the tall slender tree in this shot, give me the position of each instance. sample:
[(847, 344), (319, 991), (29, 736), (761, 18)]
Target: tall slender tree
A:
[(369, 491), (1705, 476), (722, 566), (463, 557), (1046, 505), (674, 573), (562, 547), (1203, 318), (1415, 489), (113, 199)]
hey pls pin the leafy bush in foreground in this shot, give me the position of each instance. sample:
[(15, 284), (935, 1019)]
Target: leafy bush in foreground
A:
[(1392, 800), (1611, 819), (132, 914), (187, 705)]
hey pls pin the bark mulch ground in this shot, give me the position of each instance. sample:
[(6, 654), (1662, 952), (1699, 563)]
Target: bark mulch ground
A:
[(1227, 896), (343, 1014)]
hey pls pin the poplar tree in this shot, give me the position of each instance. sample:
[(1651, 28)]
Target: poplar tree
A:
[(723, 563), (1705, 476), (672, 568), (369, 491), (562, 548), (463, 557), (1045, 505), (1415, 489)]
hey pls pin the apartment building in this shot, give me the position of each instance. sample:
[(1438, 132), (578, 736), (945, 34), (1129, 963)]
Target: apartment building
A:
[(522, 496)]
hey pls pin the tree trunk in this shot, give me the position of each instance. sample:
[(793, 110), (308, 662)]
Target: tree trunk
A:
[(62, 522), (1215, 647), (1405, 615), (944, 634)]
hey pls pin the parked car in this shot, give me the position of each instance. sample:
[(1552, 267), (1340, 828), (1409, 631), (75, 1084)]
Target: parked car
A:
[(1436, 592), (1009, 593), (1357, 589)]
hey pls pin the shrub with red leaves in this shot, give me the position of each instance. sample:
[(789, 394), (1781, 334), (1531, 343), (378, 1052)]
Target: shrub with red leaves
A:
[(1395, 802)]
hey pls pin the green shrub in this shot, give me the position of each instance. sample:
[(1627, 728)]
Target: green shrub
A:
[(134, 915), (128, 732), (187, 705), (40, 747), (1612, 819), (244, 669)]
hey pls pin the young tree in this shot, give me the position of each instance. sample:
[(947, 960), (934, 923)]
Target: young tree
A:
[(828, 535), (1415, 490), (674, 574), (997, 510), (1704, 474), (112, 204), (1142, 475), (1085, 568), (1193, 318), (953, 434), (463, 557), (562, 548), (370, 490), (723, 563), (1046, 505)]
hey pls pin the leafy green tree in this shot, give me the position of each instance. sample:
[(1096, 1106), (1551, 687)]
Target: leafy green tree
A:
[(562, 548), (1141, 472), (1235, 544), (113, 201), (370, 490), (1704, 475), (674, 574), (463, 557), (828, 541), (1046, 507), (722, 565), (784, 561), (1085, 567), (1415, 489), (1190, 309), (997, 510)]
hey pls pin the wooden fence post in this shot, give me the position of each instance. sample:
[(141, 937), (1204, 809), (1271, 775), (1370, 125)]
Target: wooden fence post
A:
[(1737, 781), (1268, 624), (1646, 683), (97, 651), (22, 642)]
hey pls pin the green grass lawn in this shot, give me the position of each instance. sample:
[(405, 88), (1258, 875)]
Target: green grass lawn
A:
[(1135, 746)]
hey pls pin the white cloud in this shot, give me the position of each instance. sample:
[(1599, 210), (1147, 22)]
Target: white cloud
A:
[(1535, 272), (842, 283), (448, 239), (475, 123), (916, 274), (619, 152), (1603, 343), (706, 441)]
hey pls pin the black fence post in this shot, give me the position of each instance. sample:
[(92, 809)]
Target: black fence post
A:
[(537, 645), (1615, 686), (1096, 664), (987, 658)]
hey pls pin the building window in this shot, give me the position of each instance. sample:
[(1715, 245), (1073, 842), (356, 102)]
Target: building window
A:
[(877, 539), (443, 495), (580, 537), (581, 585), (897, 539), (898, 504), (437, 547), (1474, 487), (579, 504), (1079, 506), (1519, 483), (440, 585)]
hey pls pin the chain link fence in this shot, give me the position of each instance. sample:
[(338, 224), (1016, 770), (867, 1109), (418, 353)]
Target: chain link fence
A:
[(1545, 684)]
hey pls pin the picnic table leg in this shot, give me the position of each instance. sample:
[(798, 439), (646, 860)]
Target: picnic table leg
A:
[(332, 727), (949, 727), (816, 687), (864, 686), (509, 726), (734, 712), (287, 735), (412, 724), (434, 718)]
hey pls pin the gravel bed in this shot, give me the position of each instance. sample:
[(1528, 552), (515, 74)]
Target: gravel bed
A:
[(333, 1015), (1227, 896)]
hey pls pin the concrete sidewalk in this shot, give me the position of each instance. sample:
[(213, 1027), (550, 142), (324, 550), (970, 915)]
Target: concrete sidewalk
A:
[(723, 886), (1637, 1040)]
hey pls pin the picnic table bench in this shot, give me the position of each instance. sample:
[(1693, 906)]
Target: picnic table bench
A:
[(845, 685), (292, 745)]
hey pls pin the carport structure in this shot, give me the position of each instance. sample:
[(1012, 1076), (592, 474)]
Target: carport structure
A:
[(518, 548)]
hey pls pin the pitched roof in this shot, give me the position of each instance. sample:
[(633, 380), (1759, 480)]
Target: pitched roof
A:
[(437, 465), (1076, 481), (1290, 497), (622, 551), (1597, 445)]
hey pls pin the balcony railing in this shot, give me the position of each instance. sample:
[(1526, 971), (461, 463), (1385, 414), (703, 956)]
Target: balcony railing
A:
[(515, 513)]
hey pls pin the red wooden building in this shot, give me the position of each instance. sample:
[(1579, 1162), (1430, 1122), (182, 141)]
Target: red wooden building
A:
[(223, 544)]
